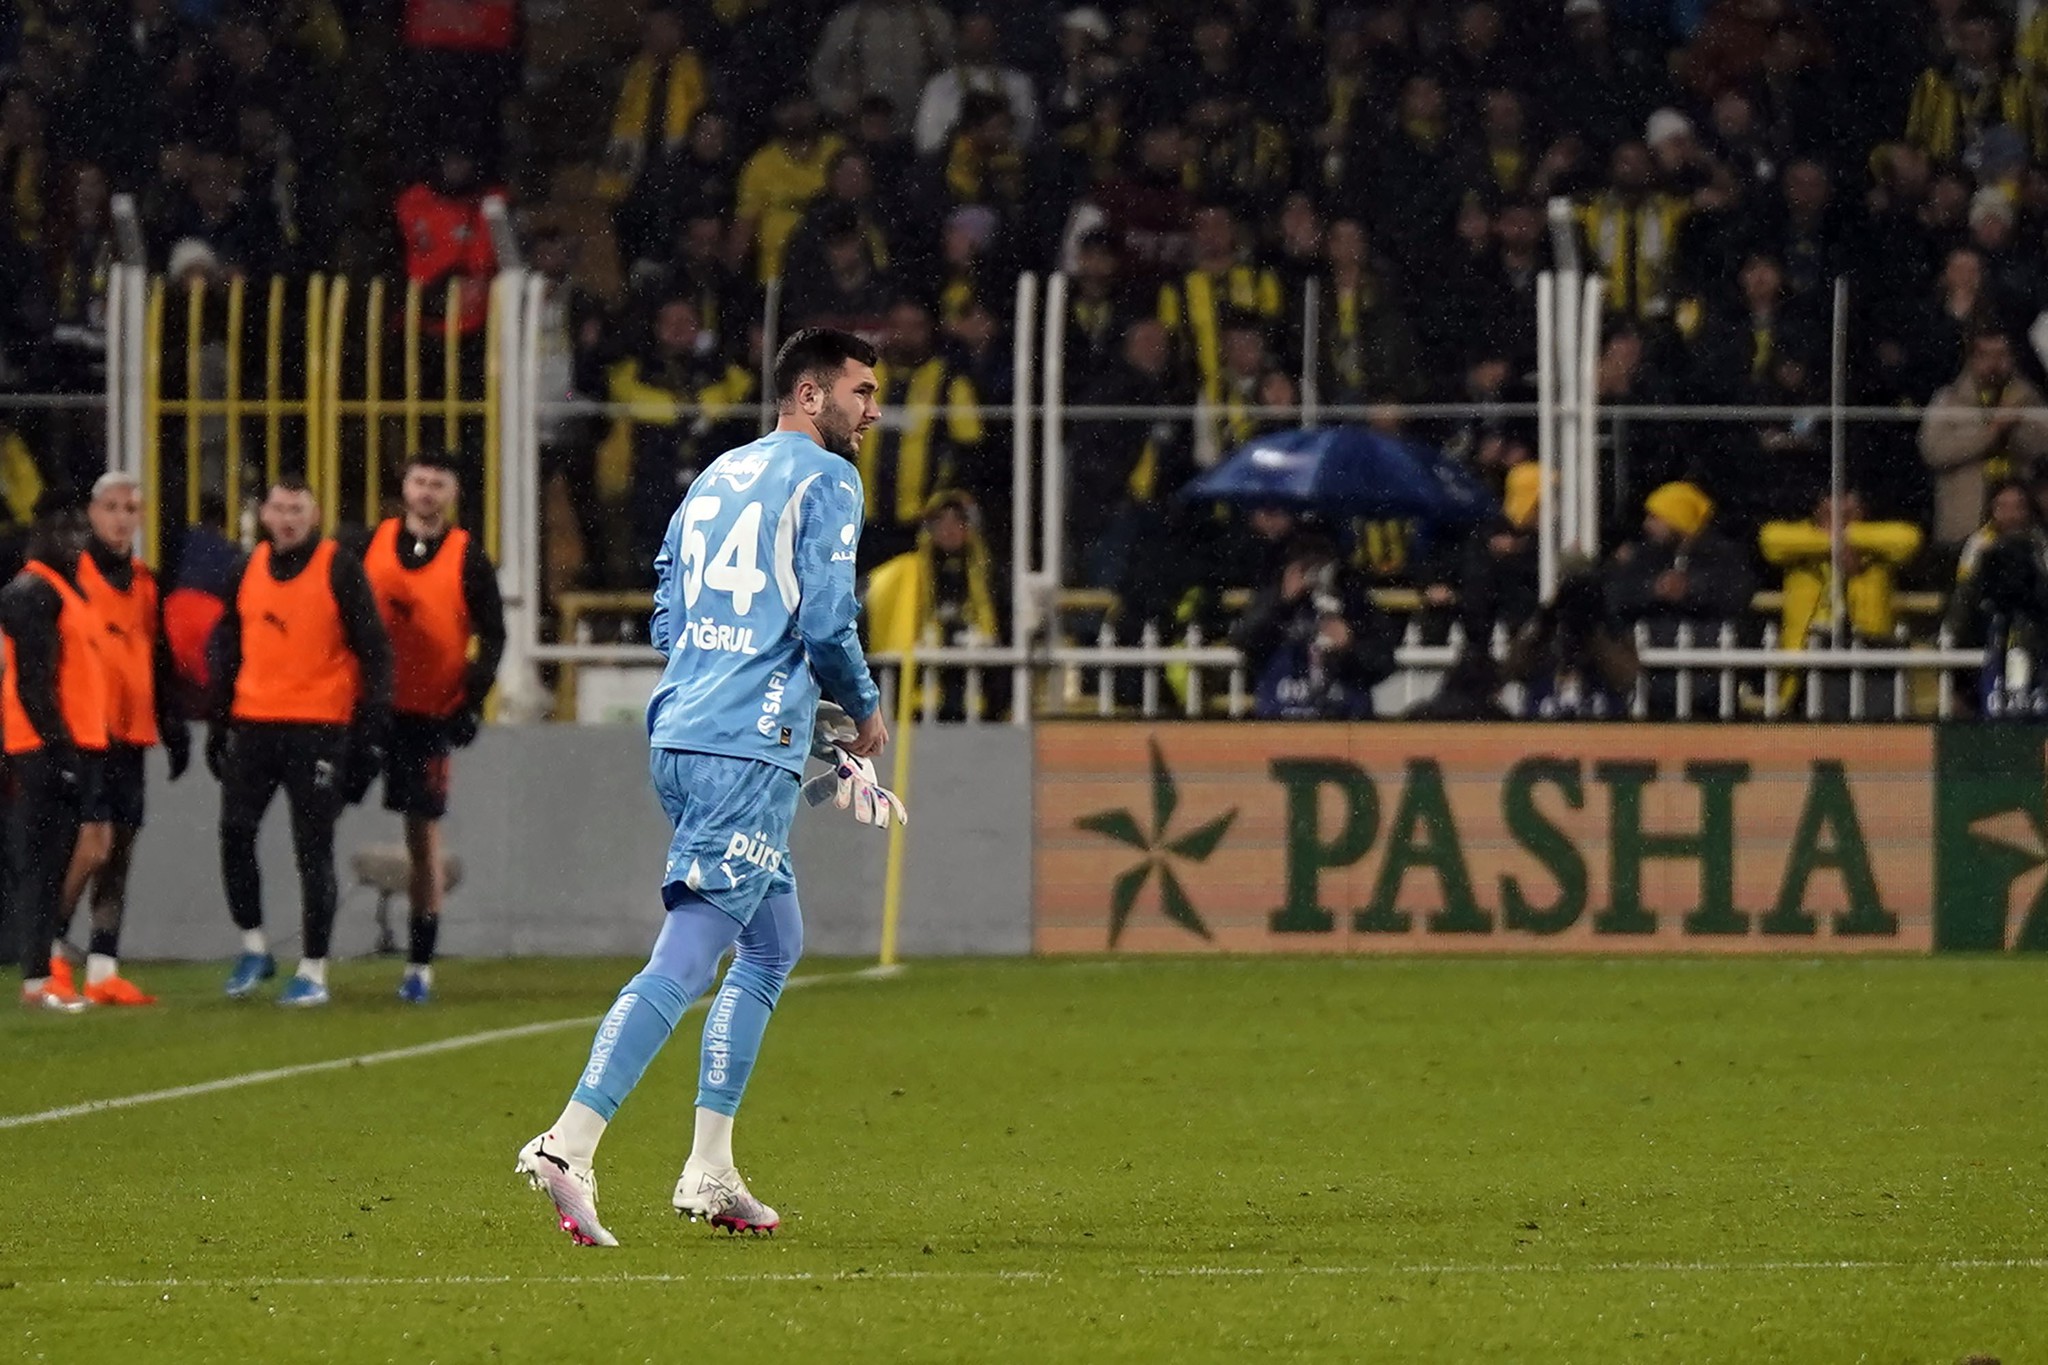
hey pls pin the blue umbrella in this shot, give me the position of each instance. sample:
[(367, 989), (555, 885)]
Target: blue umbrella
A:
[(1352, 471)]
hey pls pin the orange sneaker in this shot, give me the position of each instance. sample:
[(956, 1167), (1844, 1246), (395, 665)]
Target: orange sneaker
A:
[(51, 997), (117, 990), (60, 974)]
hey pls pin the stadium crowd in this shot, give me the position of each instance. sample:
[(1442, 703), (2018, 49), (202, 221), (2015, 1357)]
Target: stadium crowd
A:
[(890, 166)]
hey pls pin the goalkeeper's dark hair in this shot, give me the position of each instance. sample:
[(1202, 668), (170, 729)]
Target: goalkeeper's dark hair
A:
[(817, 354)]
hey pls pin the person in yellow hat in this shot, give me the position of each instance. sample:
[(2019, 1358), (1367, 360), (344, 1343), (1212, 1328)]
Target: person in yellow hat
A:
[(1679, 573), (1490, 577), (938, 593)]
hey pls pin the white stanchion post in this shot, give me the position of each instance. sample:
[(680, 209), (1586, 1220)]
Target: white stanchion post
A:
[(1588, 370), (1023, 613), (1569, 388), (1053, 452), (520, 293), (117, 356), (1105, 678), (1546, 435)]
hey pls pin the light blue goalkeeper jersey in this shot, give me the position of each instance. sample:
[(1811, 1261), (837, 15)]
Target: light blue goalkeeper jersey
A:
[(754, 604)]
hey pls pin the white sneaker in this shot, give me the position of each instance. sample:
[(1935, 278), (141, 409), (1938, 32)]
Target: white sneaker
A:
[(57, 999), (573, 1188), (721, 1199)]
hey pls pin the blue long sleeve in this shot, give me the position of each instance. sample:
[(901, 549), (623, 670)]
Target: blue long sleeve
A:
[(661, 632), (828, 539)]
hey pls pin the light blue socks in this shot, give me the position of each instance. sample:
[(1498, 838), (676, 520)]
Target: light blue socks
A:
[(768, 949), (694, 936)]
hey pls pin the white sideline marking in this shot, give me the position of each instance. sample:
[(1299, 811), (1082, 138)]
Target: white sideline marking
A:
[(396, 1054), (1142, 1272)]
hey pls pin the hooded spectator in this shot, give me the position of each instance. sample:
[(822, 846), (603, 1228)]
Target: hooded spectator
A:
[(1957, 102), (941, 592)]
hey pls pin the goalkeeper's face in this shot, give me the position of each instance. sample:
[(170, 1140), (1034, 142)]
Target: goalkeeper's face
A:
[(846, 409)]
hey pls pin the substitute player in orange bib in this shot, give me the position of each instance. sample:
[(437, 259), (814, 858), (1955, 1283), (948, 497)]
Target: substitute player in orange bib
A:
[(301, 703), (438, 595), (123, 591), (53, 716)]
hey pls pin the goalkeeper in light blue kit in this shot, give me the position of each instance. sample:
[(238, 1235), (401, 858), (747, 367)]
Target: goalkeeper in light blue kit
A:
[(754, 606)]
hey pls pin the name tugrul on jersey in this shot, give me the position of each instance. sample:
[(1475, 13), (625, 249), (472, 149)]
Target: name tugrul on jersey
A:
[(707, 634)]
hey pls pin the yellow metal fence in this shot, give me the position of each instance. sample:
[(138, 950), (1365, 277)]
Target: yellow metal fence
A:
[(320, 380)]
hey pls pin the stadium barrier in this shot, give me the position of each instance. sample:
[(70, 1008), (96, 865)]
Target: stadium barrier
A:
[(212, 388), (1704, 674), (562, 844), (1265, 838), (1173, 836), (333, 380)]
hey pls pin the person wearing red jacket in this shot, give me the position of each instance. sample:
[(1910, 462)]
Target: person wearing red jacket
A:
[(446, 238)]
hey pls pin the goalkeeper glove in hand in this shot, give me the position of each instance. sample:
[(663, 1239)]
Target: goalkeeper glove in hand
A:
[(832, 728), (852, 783)]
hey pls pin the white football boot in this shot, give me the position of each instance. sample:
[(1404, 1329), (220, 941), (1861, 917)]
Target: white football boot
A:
[(573, 1188), (721, 1199)]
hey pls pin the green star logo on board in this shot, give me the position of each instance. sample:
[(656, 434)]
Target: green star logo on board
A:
[(1991, 852), (1160, 853)]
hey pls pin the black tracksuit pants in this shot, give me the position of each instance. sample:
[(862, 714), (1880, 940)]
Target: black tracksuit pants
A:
[(310, 763), (42, 832)]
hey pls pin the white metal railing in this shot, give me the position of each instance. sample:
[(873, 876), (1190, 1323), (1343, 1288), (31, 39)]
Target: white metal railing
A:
[(1717, 681), (1713, 677)]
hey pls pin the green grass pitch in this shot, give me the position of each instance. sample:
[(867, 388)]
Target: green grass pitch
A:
[(1168, 1160)]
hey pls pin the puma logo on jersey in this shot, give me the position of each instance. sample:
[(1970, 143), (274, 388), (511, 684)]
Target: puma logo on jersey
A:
[(399, 607), (755, 849), (271, 618)]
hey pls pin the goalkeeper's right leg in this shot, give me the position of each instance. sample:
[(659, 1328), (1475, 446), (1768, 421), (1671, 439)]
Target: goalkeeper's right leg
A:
[(694, 935), (710, 1187)]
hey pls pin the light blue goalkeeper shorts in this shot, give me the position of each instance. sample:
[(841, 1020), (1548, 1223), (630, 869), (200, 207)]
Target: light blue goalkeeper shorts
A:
[(731, 818)]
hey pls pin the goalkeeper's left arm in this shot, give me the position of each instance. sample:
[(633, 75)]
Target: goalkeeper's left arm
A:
[(828, 535)]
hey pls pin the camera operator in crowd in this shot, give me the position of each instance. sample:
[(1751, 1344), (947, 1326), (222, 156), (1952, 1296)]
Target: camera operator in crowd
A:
[(2001, 601), (1314, 642)]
